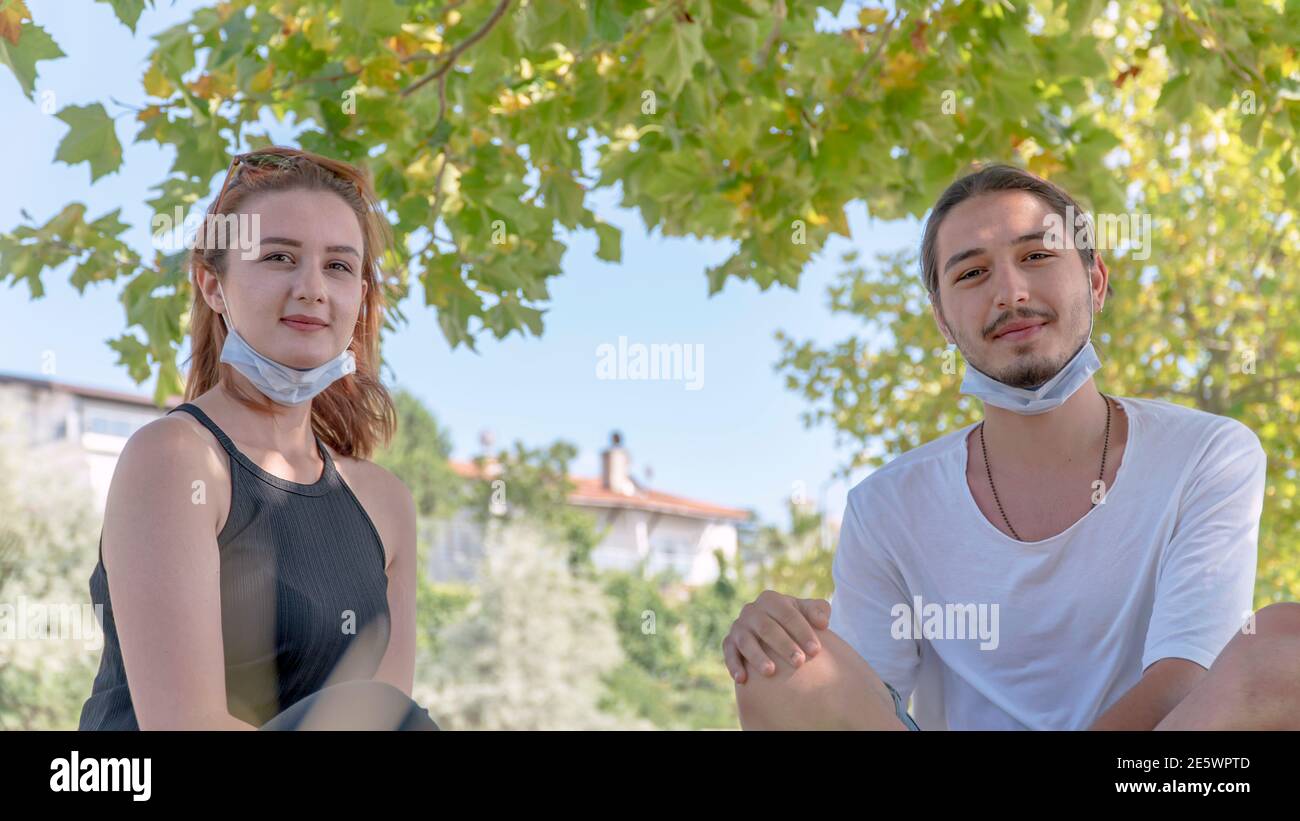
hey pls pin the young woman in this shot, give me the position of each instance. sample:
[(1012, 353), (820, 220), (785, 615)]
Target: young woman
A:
[(262, 571)]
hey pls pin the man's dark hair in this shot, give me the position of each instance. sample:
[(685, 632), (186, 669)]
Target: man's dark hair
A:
[(987, 179)]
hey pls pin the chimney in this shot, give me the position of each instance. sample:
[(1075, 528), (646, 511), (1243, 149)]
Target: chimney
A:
[(614, 463), (491, 467)]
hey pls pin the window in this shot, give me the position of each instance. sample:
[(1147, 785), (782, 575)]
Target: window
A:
[(112, 427)]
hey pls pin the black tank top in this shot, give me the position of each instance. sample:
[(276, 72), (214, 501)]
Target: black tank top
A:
[(303, 592)]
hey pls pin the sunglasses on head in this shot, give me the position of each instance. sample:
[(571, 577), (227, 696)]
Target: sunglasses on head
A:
[(280, 158)]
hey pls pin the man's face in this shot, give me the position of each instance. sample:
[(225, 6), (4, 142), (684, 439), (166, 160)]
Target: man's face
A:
[(997, 273)]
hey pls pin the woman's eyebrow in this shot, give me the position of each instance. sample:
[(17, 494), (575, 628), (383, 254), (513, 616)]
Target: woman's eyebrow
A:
[(293, 243)]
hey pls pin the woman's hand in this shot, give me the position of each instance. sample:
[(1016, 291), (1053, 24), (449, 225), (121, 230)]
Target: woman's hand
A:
[(774, 626)]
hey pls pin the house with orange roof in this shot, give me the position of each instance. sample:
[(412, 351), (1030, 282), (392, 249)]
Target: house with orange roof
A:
[(643, 527)]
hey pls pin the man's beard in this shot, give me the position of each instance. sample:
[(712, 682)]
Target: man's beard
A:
[(1030, 371)]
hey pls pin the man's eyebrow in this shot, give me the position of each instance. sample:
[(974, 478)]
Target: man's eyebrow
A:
[(970, 252), (293, 243)]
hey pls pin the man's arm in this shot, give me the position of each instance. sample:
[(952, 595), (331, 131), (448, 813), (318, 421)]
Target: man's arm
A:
[(1162, 686)]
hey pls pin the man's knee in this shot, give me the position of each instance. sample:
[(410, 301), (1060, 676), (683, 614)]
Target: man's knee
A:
[(1278, 620), (816, 694), (1277, 659), (1263, 658)]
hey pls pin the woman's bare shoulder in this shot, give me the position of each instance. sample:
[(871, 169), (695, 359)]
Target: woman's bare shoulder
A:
[(175, 436), (171, 449), (167, 487), (385, 498), (373, 476)]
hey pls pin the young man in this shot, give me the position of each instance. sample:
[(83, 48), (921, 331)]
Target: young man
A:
[(1074, 561)]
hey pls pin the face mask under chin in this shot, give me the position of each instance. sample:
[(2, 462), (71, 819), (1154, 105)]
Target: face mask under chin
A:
[(1044, 396), (282, 383)]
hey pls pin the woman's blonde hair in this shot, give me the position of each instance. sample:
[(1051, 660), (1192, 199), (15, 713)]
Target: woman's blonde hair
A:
[(355, 414)]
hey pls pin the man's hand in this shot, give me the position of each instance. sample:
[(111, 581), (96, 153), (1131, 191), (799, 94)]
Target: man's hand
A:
[(774, 626)]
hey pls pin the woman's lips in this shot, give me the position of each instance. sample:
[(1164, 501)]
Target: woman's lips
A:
[(303, 326)]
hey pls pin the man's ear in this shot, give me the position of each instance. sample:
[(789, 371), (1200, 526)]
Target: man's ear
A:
[(1100, 265)]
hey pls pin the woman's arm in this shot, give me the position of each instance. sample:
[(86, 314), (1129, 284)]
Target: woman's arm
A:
[(160, 552), (398, 664)]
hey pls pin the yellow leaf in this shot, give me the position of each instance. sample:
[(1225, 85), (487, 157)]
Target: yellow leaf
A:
[(900, 70), (839, 222), (202, 87), (422, 169), (11, 20), (156, 83), (380, 70), (1045, 164), (261, 81), (869, 17)]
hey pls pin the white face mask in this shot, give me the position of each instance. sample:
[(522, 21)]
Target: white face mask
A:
[(281, 383), (1051, 394)]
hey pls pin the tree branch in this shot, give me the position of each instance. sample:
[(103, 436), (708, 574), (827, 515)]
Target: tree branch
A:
[(779, 13), (882, 40), (442, 70)]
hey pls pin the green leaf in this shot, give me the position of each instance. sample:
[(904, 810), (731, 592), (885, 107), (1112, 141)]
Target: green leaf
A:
[(564, 198), (91, 139), (33, 45), (110, 224), (735, 8), (610, 247), (175, 51), (372, 18), (672, 52), (170, 381), (128, 11), (1177, 97), (606, 19), (133, 354), (440, 134), (1081, 13), (19, 262), (545, 23)]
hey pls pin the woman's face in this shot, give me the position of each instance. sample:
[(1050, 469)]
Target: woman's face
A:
[(305, 262)]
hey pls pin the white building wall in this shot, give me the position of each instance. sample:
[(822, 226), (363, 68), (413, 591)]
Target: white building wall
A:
[(681, 545), (100, 427)]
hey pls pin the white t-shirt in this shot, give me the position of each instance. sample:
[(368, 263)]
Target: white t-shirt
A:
[(1164, 567)]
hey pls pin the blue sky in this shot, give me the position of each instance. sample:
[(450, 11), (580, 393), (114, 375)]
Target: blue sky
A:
[(737, 441)]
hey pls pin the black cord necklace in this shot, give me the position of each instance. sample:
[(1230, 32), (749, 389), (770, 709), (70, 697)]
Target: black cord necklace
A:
[(1100, 476)]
